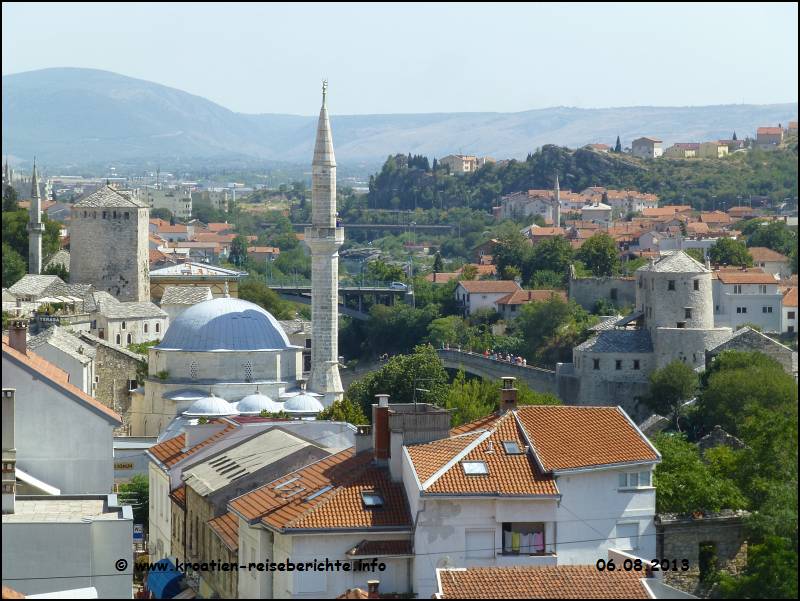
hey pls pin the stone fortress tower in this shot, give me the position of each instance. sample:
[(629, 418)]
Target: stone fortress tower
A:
[(324, 238), (35, 226), (109, 244)]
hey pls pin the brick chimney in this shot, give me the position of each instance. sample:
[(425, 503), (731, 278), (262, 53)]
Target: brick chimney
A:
[(372, 589), (9, 451), (18, 335), (380, 429), (508, 395)]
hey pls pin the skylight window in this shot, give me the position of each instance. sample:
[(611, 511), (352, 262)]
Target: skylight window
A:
[(372, 499), (321, 491), (511, 447), (475, 468), (285, 484)]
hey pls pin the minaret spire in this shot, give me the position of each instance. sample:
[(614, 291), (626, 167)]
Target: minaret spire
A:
[(35, 226), (324, 238), (557, 216)]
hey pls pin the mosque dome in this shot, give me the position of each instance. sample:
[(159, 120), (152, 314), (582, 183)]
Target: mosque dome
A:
[(303, 403), (229, 324), (253, 404), (210, 406)]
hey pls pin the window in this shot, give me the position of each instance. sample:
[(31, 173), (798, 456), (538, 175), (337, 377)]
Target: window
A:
[(104, 214), (634, 479), (123, 325), (627, 536), (618, 364), (127, 215), (681, 324), (372, 499), (475, 468), (762, 288), (128, 338), (248, 371), (158, 328), (511, 447), (119, 339), (523, 538), (741, 310), (670, 284), (101, 334), (145, 328), (790, 315), (737, 288), (697, 284), (636, 364), (640, 282), (193, 370), (613, 294), (596, 363), (687, 312)]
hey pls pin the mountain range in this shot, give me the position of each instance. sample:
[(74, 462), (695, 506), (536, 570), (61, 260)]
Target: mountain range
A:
[(70, 116)]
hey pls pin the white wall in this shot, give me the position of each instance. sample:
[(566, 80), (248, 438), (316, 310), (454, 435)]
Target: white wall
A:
[(160, 514), (752, 300), (80, 374), (60, 440)]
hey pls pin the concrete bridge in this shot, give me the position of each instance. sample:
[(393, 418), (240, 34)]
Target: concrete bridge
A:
[(537, 378)]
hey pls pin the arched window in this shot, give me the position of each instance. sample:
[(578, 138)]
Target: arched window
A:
[(119, 339), (123, 325), (145, 328), (158, 328), (128, 338)]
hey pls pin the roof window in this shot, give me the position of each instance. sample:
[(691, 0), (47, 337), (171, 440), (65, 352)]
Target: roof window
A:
[(511, 447), (475, 468), (372, 498)]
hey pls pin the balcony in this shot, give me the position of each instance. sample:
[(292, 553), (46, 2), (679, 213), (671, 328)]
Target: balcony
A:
[(520, 559)]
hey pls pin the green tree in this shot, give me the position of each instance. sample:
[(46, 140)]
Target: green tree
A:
[(618, 145), (9, 199), (727, 251), (238, 253), (599, 253), (256, 291), (438, 265), (696, 254), (137, 494), (161, 213), (468, 272), (14, 266), (686, 483), (57, 269), (771, 572), (512, 250), (344, 410), (670, 387), (554, 254), (776, 235), (400, 376)]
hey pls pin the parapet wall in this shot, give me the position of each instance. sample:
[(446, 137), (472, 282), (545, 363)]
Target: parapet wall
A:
[(621, 292)]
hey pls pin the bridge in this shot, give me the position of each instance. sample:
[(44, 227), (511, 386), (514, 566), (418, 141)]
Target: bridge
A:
[(537, 378), (392, 227)]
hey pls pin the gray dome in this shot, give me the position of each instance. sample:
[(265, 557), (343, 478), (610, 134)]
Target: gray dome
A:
[(303, 403), (229, 324), (210, 406), (253, 404)]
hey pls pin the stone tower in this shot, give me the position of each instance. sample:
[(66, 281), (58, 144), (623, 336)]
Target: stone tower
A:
[(35, 227), (109, 244), (324, 238), (557, 214)]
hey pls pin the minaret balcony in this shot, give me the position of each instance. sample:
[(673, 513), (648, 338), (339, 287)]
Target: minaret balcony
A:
[(35, 227)]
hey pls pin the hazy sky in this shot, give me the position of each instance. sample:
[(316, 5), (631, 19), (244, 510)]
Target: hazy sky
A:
[(385, 58)]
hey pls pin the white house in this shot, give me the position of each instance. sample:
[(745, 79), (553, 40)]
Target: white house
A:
[(474, 295), (124, 323), (747, 297), (597, 213), (770, 261), (69, 353), (647, 148)]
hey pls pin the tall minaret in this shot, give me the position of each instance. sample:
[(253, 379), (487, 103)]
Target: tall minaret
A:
[(35, 227), (324, 238), (557, 216)]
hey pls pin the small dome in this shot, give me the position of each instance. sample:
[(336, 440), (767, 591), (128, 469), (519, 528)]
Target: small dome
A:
[(229, 324), (210, 406), (303, 403), (186, 394), (253, 404)]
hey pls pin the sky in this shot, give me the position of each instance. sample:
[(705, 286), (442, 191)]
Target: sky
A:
[(423, 58)]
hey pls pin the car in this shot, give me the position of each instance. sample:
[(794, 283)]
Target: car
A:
[(398, 286)]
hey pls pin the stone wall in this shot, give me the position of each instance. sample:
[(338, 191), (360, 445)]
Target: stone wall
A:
[(537, 378), (748, 339), (587, 291), (680, 537)]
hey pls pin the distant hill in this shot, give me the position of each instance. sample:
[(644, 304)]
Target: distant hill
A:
[(77, 116)]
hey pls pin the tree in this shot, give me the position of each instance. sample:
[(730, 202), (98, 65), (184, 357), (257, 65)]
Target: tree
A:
[(57, 269), (256, 291), (468, 272), (14, 266), (400, 376), (554, 254), (161, 213), (238, 253), (618, 145), (670, 387), (771, 572), (9, 198), (727, 251), (438, 265), (776, 235), (599, 253), (137, 494), (686, 483), (734, 135), (511, 250), (344, 410), (696, 254)]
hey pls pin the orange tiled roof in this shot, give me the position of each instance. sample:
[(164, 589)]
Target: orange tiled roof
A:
[(762, 253), (179, 495), (507, 474), (171, 451), (715, 217), (541, 232), (480, 269), (58, 377), (769, 131), (378, 548), (566, 437), (429, 458), (489, 286), (697, 227), (790, 297), (341, 507), (219, 227), (745, 277), (226, 527), (173, 229), (442, 277), (545, 582), (521, 297), (264, 249), (212, 237), (479, 424)]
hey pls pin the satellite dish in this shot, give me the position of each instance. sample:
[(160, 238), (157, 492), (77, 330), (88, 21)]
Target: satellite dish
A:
[(445, 563)]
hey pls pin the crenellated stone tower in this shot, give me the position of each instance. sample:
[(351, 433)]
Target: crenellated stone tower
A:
[(35, 227), (324, 238)]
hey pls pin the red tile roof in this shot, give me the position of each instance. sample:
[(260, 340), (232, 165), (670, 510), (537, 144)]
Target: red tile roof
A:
[(58, 377), (219, 227), (715, 217), (380, 548), (522, 297), (442, 277), (226, 527), (745, 277), (764, 254), (543, 232), (790, 297), (170, 452), (284, 504), (489, 286), (173, 229), (545, 582), (179, 495), (769, 131)]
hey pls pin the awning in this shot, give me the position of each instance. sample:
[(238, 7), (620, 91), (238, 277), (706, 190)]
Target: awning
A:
[(164, 582)]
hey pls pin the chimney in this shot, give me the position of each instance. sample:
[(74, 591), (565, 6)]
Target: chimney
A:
[(9, 452), (380, 429), (508, 395), (372, 589), (363, 438), (18, 335)]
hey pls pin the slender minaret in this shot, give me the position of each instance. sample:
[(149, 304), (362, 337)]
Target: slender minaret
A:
[(324, 238), (557, 216), (35, 227)]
